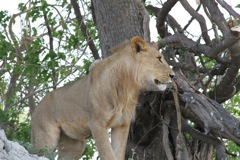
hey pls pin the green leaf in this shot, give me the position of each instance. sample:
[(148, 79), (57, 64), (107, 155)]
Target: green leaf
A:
[(22, 6), (87, 63), (61, 56), (52, 64), (52, 54)]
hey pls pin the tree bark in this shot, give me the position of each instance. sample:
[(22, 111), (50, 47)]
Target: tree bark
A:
[(116, 21)]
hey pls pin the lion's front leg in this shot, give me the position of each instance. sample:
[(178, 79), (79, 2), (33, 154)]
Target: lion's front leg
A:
[(119, 136), (101, 137)]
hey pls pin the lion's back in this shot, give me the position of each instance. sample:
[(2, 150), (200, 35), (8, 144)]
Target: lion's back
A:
[(63, 103)]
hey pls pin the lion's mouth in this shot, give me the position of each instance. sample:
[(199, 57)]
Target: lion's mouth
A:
[(157, 82), (155, 87), (162, 86)]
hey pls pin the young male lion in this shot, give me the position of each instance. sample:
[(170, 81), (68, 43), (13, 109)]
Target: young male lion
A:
[(106, 98)]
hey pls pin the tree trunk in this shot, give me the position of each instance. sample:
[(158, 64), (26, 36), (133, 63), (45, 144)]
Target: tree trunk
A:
[(116, 21)]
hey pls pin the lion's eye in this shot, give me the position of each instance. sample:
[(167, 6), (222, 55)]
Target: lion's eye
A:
[(159, 58)]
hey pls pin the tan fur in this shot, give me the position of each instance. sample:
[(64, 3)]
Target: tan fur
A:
[(104, 99)]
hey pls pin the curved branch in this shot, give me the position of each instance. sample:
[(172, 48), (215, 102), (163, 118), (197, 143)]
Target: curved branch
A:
[(217, 16), (161, 18), (184, 41), (220, 149), (195, 47), (222, 46), (228, 8), (200, 20), (153, 9), (176, 27), (227, 88), (172, 22), (192, 18), (84, 29), (206, 112)]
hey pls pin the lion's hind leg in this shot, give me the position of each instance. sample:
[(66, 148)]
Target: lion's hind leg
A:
[(45, 138), (69, 148)]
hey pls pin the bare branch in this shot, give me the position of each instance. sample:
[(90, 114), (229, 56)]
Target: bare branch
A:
[(195, 47), (153, 9), (84, 29), (14, 76), (30, 89), (10, 90), (192, 18), (226, 88), (207, 113), (229, 9), (222, 46), (51, 51), (220, 149), (172, 22), (200, 20), (217, 16), (161, 18), (165, 136)]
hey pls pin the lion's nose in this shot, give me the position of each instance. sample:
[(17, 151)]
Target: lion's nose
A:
[(171, 75)]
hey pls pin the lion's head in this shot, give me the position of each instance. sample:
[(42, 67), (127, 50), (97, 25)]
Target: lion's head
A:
[(153, 72)]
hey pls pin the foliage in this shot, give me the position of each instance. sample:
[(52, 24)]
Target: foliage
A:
[(89, 150), (16, 126), (42, 151), (233, 107), (49, 52)]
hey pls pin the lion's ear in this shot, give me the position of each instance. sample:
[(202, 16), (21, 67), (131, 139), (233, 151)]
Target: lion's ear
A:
[(138, 44)]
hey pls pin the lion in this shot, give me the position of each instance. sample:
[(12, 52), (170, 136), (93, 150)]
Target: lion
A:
[(104, 99)]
